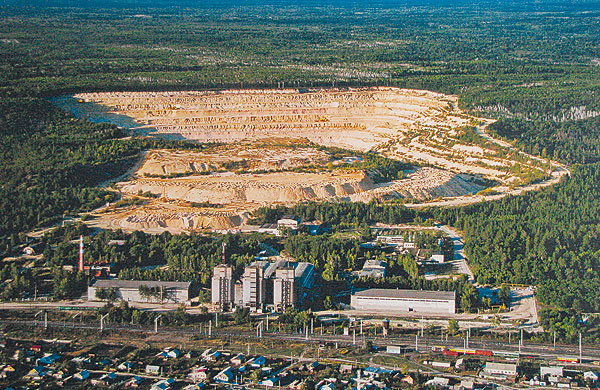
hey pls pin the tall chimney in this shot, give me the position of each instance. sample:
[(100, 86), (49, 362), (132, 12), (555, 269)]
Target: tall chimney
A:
[(81, 253), (224, 244)]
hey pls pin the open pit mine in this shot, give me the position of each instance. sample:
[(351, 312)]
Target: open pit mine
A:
[(219, 187)]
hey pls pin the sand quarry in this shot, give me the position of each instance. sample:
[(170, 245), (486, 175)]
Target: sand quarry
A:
[(219, 187)]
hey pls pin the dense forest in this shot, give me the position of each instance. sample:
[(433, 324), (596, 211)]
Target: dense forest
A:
[(534, 66)]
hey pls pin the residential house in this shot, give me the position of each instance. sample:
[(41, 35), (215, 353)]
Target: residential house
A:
[(213, 357), (49, 359), (6, 371), (82, 375), (127, 366), (195, 386), (169, 353), (270, 382), (108, 379), (225, 376), (38, 372), (237, 360), (258, 362), (199, 374), (296, 385), (136, 381), (153, 370), (164, 384), (206, 352)]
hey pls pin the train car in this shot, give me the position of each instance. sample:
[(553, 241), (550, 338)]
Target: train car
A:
[(484, 352), (506, 354), (438, 348), (447, 352), (567, 359), (463, 351)]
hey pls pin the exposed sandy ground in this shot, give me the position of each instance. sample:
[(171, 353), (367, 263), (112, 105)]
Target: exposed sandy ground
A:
[(409, 125), (233, 197), (412, 125)]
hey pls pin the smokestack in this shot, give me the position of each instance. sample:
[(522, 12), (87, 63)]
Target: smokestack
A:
[(224, 252), (81, 253)]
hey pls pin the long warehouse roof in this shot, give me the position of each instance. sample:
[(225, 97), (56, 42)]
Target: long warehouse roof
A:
[(406, 294)]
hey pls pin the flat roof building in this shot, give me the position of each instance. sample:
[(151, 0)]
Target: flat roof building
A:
[(374, 268), (133, 290), (503, 369), (404, 301)]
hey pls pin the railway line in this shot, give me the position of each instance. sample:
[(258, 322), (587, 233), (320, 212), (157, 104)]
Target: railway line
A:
[(560, 352)]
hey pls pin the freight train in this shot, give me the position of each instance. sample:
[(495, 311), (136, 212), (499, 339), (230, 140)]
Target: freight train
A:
[(505, 354)]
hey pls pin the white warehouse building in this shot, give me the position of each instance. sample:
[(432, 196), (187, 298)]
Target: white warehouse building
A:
[(129, 290), (392, 301)]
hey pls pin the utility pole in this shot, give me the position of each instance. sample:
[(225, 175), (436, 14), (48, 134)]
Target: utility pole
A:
[(75, 316), (422, 326), (417, 343), (267, 323), (46, 324), (156, 323), (554, 342), (468, 334), (312, 328), (216, 320), (361, 326), (102, 321), (209, 328), (521, 342), (306, 328), (580, 349), (353, 336), (259, 329), (38, 313)]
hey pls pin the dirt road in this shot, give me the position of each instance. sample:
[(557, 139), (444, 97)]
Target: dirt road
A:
[(558, 172)]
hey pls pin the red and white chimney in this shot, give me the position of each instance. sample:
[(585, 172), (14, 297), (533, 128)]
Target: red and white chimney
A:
[(81, 253)]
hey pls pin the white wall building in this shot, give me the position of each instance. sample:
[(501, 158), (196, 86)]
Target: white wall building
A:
[(223, 287), (129, 290), (403, 301)]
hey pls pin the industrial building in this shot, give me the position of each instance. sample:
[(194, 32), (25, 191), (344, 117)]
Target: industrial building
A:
[(129, 290), (254, 286), (289, 222), (223, 287), (404, 301), (374, 268), (264, 285)]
